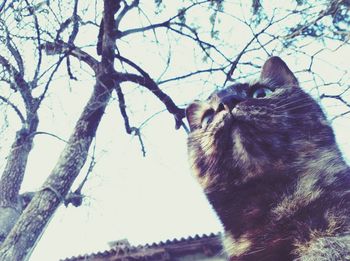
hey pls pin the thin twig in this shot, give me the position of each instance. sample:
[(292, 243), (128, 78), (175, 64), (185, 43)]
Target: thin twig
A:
[(210, 70), (337, 97), (89, 171), (146, 81), (339, 115), (122, 108), (14, 107), (37, 30), (2, 5), (50, 134), (239, 56), (124, 11)]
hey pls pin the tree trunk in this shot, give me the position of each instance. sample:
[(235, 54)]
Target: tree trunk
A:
[(20, 242), (12, 177)]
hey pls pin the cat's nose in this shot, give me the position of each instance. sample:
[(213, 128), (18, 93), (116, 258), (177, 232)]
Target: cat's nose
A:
[(230, 101)]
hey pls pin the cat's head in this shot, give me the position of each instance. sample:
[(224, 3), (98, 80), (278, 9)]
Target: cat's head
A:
[(252, 129)]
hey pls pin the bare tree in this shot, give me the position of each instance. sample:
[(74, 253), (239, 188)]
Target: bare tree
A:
[(58, 44)]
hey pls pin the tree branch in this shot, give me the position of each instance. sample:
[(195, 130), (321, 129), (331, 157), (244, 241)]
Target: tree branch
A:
[(20, 84), (337, 97), (124, 11), (50, 134), (64, 48), (2, 5), (143, 29), (331, 10), (48, 82), (152, 86), (239, 56), (122, 108), (38, 38), (76, 197), (202, 44), (14, 107), (210, 70), (146, 81), (14, 52), (111, 7), (75, 19), (340, 115), (165, 24)]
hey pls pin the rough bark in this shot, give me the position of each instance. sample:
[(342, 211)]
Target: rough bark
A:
[(14, 170), (11, 180)]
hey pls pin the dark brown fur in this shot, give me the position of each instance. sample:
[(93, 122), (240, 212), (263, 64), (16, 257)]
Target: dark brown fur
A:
[(272, 170)]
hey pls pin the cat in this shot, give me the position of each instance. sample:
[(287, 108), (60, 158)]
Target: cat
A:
[(268, 163)]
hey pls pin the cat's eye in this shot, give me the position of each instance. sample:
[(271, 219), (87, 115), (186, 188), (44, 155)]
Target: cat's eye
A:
[(207, 118), (261, 92)]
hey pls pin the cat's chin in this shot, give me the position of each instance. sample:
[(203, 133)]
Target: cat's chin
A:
[(222, 120)]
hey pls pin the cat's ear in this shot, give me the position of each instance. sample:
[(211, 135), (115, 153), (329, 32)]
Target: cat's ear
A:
[(276, 71), (193, 115)]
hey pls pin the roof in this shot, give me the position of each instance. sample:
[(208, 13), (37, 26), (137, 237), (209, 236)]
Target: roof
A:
[(209, 245)]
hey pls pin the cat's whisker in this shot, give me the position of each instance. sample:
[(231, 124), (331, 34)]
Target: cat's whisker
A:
[(288, 102), (290, 108), (292, 97), (283, 116)]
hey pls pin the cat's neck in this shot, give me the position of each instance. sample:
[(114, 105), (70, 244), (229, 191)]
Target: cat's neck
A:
[(264, 216), (245, 214)]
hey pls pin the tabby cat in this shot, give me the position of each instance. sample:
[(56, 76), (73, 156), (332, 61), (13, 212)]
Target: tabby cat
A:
[(268, 163)]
